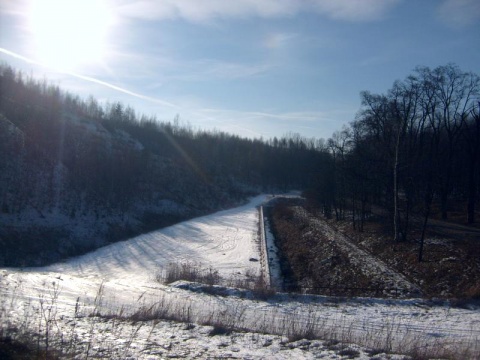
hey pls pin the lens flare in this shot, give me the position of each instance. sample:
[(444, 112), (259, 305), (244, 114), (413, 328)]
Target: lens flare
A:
[(67, 34)]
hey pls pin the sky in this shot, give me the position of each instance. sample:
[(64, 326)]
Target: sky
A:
[(255, 68)]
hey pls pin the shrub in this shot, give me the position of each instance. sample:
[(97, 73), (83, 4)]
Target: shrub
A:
[(189, 272)]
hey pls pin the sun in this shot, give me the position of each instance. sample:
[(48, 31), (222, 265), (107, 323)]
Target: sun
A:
[(68, 34)]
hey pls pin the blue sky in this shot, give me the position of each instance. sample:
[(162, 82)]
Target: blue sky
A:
[(256, 68)]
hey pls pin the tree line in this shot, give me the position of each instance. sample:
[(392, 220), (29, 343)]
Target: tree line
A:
[(411, 150), (72, 159)]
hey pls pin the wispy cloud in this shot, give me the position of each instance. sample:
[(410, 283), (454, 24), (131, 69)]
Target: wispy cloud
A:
[(354, 10), (269, 124), (211, 69), (240, 122), (207, 10), (195, 70), (201, 11), (91, 80), (459, 13), (278, 40), (8, 7)]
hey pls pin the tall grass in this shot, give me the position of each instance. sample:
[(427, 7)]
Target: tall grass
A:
[(193, 272), (43, 327)]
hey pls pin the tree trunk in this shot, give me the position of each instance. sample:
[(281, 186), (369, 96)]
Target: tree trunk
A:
[(428, 203), (472, 192), (396, 211), (444, 204), (362, 218), (353, 212)]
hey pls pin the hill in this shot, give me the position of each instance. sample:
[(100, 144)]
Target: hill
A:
[(76, 174)]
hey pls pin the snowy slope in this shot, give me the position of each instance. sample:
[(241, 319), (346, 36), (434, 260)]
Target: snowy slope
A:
[(225, 241), (120, 279)]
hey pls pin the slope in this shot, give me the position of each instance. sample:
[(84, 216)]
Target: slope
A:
[(88, 296)]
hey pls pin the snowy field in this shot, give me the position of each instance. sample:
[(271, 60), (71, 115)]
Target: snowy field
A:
[(119, 280)]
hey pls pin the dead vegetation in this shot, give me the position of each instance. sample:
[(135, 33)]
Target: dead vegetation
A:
[(310, 260), (163, 328), (313, 259), (208, 280), (450, 269)]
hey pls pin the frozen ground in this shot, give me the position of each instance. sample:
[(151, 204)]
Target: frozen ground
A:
[(119, 280), (361, 259)]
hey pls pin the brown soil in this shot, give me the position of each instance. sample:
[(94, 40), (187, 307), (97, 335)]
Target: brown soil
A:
[(312, 259)]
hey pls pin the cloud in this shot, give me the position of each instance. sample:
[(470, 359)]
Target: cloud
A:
[(269, 123), (90, 79), (354, 10), (278, 40), (202, 11), (229, 70), (459, 13), (207, 10), (12, 7), (209, 69)]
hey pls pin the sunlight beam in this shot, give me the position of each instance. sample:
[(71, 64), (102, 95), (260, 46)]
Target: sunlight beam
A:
[(68, 34)]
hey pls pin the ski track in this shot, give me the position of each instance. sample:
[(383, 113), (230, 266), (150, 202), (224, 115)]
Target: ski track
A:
[(226, 241)]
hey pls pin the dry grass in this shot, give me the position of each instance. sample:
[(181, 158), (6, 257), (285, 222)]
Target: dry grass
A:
[(188, 271), (29, 337), (312, 262), (195, 273), (450, 268)]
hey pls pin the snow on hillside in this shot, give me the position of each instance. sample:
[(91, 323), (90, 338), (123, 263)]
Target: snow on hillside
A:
[(225, 241), (120, 279)]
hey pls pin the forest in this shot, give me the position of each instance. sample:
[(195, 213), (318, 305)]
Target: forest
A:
[(76, 174), (412, 152)]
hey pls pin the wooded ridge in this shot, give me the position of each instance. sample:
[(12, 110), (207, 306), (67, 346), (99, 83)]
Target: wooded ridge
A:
[(76, 174)]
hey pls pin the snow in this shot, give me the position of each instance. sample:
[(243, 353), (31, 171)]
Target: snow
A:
[(120, 279), (273, 256), (225, 241)]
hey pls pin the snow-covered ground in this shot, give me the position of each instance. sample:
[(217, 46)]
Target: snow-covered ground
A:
[(120, 280)]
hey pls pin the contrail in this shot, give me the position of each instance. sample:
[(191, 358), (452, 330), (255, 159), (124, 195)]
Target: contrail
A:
[(91, 79), (15, 55), (182, 152), (125, 91)]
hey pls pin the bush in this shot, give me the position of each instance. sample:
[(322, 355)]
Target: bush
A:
[(189, 272), (193, 272)]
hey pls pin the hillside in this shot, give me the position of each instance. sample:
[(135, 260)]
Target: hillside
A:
[(76, 174), (108, 303)]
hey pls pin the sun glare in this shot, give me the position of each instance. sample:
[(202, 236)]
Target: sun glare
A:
[(69, 33)]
